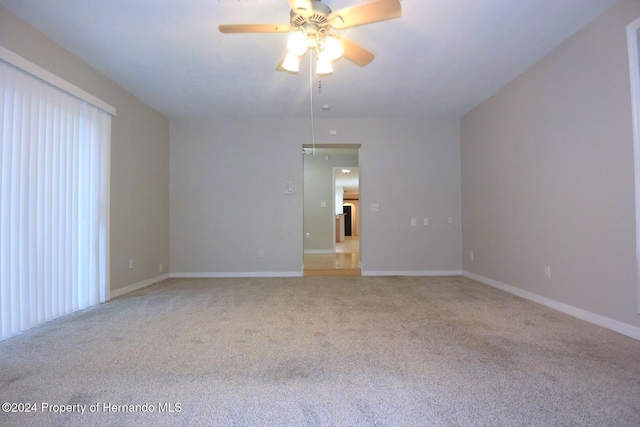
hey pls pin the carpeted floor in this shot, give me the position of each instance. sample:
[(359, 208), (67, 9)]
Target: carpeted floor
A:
[(361, 351)]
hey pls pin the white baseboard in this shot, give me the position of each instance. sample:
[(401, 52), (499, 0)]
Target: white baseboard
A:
[(413, 273), (597, 319), (318, 251), (237, 274), (119, 292)]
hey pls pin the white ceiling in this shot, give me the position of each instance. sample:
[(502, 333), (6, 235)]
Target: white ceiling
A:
[(440, 57)]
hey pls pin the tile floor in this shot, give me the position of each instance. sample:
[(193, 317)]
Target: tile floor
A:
[(344, 262)]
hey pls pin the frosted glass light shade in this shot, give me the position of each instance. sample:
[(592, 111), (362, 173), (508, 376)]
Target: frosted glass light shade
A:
[(333, 48), (291, 62), (324, 65), (297, 43)]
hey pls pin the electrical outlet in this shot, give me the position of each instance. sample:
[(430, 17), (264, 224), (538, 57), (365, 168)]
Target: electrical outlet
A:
[(471, 255), (547, 271), (450, 220), (413, 222), (425, 221), (130, 262), (261, 253), (160, 268)]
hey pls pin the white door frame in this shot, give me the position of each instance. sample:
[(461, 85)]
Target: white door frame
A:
[(633, 35)]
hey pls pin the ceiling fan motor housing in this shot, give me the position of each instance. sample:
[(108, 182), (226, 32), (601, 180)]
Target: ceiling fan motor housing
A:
[(315, 19)]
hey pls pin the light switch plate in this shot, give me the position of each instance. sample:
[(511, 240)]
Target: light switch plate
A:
[(288, 188)]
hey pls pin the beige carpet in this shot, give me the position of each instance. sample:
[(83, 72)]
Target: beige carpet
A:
[(395, 351)]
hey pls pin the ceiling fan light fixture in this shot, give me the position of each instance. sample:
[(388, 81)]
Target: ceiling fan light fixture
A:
[(291, 62), (298, 43), (333, 48)]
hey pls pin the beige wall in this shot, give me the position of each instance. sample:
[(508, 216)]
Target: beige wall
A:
[(547, 175), (231, 174), (139, 157)]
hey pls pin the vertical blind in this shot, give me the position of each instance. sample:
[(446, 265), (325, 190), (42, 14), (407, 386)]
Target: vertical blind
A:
[(54, 202)]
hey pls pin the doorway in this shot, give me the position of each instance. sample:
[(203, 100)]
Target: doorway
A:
[(346, 211), (331, 219)]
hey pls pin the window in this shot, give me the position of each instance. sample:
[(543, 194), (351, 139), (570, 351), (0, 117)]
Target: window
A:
[(54, 201), (633, 40)]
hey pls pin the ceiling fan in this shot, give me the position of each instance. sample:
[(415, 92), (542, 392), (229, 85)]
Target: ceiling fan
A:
[(310, 23)]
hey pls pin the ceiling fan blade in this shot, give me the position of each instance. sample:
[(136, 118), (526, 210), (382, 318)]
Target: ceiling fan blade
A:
[(301, 5), (365, 13), (354, 52), (254, 28)]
